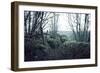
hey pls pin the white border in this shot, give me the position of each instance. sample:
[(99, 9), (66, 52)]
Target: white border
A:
[(33, 64)]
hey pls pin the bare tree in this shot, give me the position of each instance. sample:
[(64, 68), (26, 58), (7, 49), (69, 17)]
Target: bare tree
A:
[(41, 29), (86, 27), (54, 26), (29, 22), (80, 30), (35, 22), (71, 20), (26, 18)]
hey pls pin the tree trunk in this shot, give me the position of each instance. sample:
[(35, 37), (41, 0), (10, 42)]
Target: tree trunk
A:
[(41, 29)]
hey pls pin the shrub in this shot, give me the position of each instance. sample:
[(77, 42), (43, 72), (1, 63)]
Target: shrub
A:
[(63, 38), (34, 50), (76, 50), (54, 49), (54, 43)]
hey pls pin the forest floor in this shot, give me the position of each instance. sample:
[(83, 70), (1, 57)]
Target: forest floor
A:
[(55, 51)]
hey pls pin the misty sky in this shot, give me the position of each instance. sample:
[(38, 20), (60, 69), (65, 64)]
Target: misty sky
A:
[(63, 24)]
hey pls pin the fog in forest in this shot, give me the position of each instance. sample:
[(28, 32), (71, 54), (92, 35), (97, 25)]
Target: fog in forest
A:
[(56, 35)]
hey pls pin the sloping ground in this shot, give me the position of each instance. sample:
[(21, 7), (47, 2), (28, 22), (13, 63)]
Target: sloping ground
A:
[(70, 50), (67, 50)]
